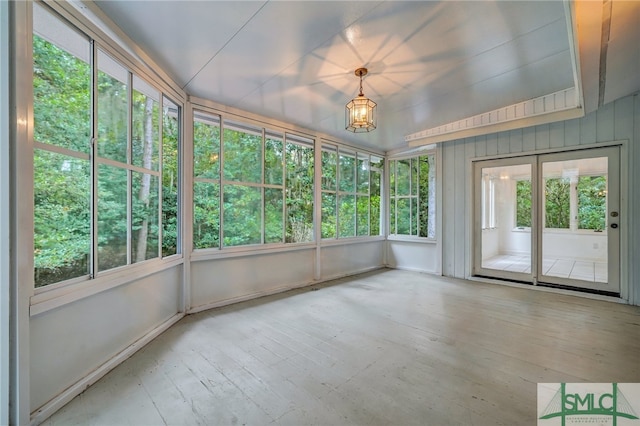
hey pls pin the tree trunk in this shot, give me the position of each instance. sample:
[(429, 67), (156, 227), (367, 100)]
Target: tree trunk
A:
[(145, 187)]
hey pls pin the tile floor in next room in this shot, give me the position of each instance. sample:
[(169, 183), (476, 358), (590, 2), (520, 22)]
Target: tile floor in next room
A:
[(565, 268)]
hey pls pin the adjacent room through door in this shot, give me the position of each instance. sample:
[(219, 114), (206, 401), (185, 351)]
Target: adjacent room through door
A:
[(550, 219)]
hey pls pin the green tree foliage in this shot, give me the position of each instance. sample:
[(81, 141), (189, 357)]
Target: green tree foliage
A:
[(299, 192), (592, 202), (423, 195), (409, 202), (62, 100), (523, 203), (62, 179), (170, 178), (557, 203), (206, 189)]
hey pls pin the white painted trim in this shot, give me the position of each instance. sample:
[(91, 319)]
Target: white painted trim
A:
[(566, 292), (22, 207), (500, 126), (185, 191), (543, 105), (572, 33), (412, 239), (332, 242), (413, 269), (317, 207), (552, 150), (5, 221), (273, 124), (44, 412)]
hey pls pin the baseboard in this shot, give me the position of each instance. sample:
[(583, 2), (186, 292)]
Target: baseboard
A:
[(270, 292), (44, 412), (411, 269)]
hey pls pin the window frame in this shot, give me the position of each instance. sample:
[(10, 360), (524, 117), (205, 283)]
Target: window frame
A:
[(337, 192), (265, 131), (433, 195), (95, 281)]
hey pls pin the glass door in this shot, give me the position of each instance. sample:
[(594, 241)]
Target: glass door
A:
[(550, 219), (504, 214), (579, 230)]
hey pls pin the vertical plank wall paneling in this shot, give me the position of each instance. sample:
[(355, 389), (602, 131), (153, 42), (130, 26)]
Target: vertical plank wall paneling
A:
[(515, 141), (469, 153), (571, 133), (619, 120), (529, 139), (634, 204), (448, 206), (458, 214), (542, 137)]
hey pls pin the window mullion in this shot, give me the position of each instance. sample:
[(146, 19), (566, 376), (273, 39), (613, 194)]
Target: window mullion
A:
[(93, 164), (262, 189), (284, 187), (129, 163), (221, 190), (161, 170)]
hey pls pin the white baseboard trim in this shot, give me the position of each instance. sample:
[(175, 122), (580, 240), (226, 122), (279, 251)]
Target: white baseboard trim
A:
[(44, 412), (270, 292), (412, 269)]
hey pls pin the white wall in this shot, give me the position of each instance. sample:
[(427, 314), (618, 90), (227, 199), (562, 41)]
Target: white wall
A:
[(490, 243), (347, 259), (413, 256), (225, 280), (619, 120), (583, 245), (217, 281), (69, 342)]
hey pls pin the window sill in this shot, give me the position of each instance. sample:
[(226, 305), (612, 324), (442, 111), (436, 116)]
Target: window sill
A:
[(250, 250), (412, 239)]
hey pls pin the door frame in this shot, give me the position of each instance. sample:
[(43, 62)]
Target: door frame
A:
[(477, 269), (474, 219), (612, 153)]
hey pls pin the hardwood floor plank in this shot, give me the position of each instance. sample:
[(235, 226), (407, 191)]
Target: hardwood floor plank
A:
[(387, 347)]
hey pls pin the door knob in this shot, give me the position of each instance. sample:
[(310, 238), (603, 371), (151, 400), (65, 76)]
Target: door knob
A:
[(614, 225)]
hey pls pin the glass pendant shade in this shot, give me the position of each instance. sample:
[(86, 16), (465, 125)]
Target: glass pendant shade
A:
[(360, 112)]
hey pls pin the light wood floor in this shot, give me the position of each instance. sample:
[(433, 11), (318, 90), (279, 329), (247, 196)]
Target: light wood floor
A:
[(385, 348), (563, 268)]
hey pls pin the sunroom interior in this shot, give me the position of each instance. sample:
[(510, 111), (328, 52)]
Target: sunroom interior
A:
[(161, 159)]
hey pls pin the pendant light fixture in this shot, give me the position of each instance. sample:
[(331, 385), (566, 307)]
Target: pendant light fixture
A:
[(360, 112)]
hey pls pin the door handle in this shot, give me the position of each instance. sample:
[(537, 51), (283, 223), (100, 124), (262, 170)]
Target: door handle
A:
[(614, 225)]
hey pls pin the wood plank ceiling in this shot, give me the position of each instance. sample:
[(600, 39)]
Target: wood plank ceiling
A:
[(430, 62)]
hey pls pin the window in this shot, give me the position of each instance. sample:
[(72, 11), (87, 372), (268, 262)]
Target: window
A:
[(557, 203), (592, 202), (170, 177), (237, 203), (206, 185), (523, 204), (350, 187), (299, 189), (62, 142), (121, 175), (488, 202), (587, 195), (412, 196)]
